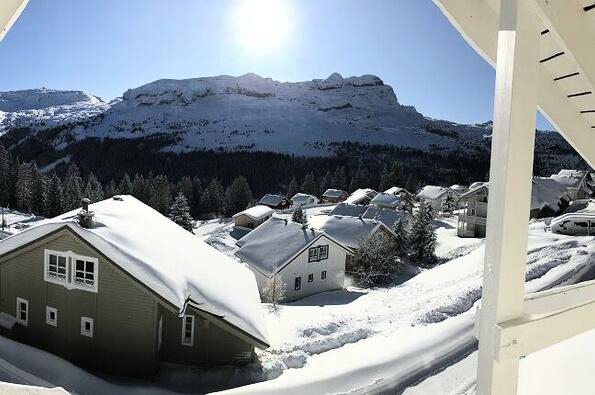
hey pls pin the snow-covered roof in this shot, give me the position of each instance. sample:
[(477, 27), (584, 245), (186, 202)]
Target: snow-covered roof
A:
[(269, 247), (432, 192), (346, 209), (173, 263), (333, 193), (256, 212), (271, 200), (386, 200), (569, 178), (387, 217), (581, 206), (360, 195), (477, 184), (395, 190), (301, 198), (546, 192), (459, 189), (349, 231)]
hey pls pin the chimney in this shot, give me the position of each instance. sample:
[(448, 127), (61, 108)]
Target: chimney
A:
[(85, 217)]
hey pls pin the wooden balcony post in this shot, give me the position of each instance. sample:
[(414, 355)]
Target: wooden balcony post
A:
[(511, 167)]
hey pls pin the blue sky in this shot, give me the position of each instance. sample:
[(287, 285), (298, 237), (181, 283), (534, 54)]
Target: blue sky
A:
[(107, 46)]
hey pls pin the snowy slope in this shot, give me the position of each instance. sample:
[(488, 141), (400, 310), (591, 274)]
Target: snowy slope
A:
[(246, 112), (44, 108)]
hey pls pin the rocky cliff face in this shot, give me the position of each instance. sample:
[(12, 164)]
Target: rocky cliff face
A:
[(239, 113)]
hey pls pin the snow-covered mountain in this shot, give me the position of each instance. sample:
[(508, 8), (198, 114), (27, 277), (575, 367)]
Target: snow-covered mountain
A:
[(239, 113)]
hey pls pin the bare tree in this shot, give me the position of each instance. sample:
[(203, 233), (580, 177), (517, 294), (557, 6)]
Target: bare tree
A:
[(376, 261), (274, 290)]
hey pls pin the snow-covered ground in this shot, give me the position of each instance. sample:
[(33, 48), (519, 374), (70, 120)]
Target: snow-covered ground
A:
[(415, 337), (17, 221)]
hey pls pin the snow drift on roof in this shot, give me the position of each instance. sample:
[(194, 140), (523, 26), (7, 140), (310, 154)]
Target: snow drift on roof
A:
[(172, 262), (333, 193), (302, 198), (431, 192), (546, 192), (272, 200), (395, 190), (569, 178), (360, 195), (387, 217), (386, 200), (268, 247), (346, 209), (349, 231), (256, 212)]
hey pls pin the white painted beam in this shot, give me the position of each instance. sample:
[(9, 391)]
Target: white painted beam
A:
[(523, 336), (9, 12), (558, 299), (477, 22), (511, 169)]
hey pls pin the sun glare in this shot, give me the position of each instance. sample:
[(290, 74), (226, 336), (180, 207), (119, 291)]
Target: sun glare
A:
[(261, 25)]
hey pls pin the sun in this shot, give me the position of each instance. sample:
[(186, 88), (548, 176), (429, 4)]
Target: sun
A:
[(261, 25)]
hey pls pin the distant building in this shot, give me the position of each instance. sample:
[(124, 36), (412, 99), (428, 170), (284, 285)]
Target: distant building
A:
[(548, 198), (349, 210), (406, 196), (580, 184), (458, 190), (276, 202), (303, 199), (577, 220), (308, 261), (362, 197), (435, 196), (334, 196), (253, 217), (120, 288)]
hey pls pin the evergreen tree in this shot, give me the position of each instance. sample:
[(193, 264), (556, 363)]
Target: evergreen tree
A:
[(325, 183), (179, 212), (54, 205), (197, 191), (4, 177), (237, 196), (39, 191), (212, 198), (309, 185), (13, 170), (93, 190), (392, 178), (110, 189), (186, 186), (376, 261), (72, 189), (402, 237), (448, 205), (294, 187), (125, 185), (360, 180), (24, 188), (299, 216), (422, 239), (161, 194), (139, 188), (340, 178)]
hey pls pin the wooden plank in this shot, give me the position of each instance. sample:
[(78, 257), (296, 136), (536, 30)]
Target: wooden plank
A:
[(558, 299), (9, 12)]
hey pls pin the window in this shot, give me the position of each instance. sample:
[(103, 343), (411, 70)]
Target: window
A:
[(51, 316), (298, 283), (87, 326), (22, 311), (323, 275), (71, 270), (581, 224), (188, 330), (310, 277), (319, 253), (472, 211)]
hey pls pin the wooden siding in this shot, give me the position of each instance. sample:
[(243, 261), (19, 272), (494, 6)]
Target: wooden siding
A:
[(123, 312)]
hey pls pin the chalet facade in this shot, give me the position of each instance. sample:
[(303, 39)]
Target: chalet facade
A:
[(120, 290), (580, 184), (473, 212), (253, 217), (435, 196), (276, 202), (334, 196), (306, 260)]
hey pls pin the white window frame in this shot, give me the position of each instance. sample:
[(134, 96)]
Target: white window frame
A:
[(311, 277), (21, 321), (323, 275), (185, 340), (48, 319), (69, 282), (84, 331)]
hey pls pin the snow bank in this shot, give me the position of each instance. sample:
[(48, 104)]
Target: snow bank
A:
[(256, 212)]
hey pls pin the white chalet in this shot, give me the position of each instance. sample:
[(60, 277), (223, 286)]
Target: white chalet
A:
[(307, 261), (434, 196), (252, 217), (361, 196), (303, 199)]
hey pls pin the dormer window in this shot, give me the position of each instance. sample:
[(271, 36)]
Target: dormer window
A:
[(71, 270)]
